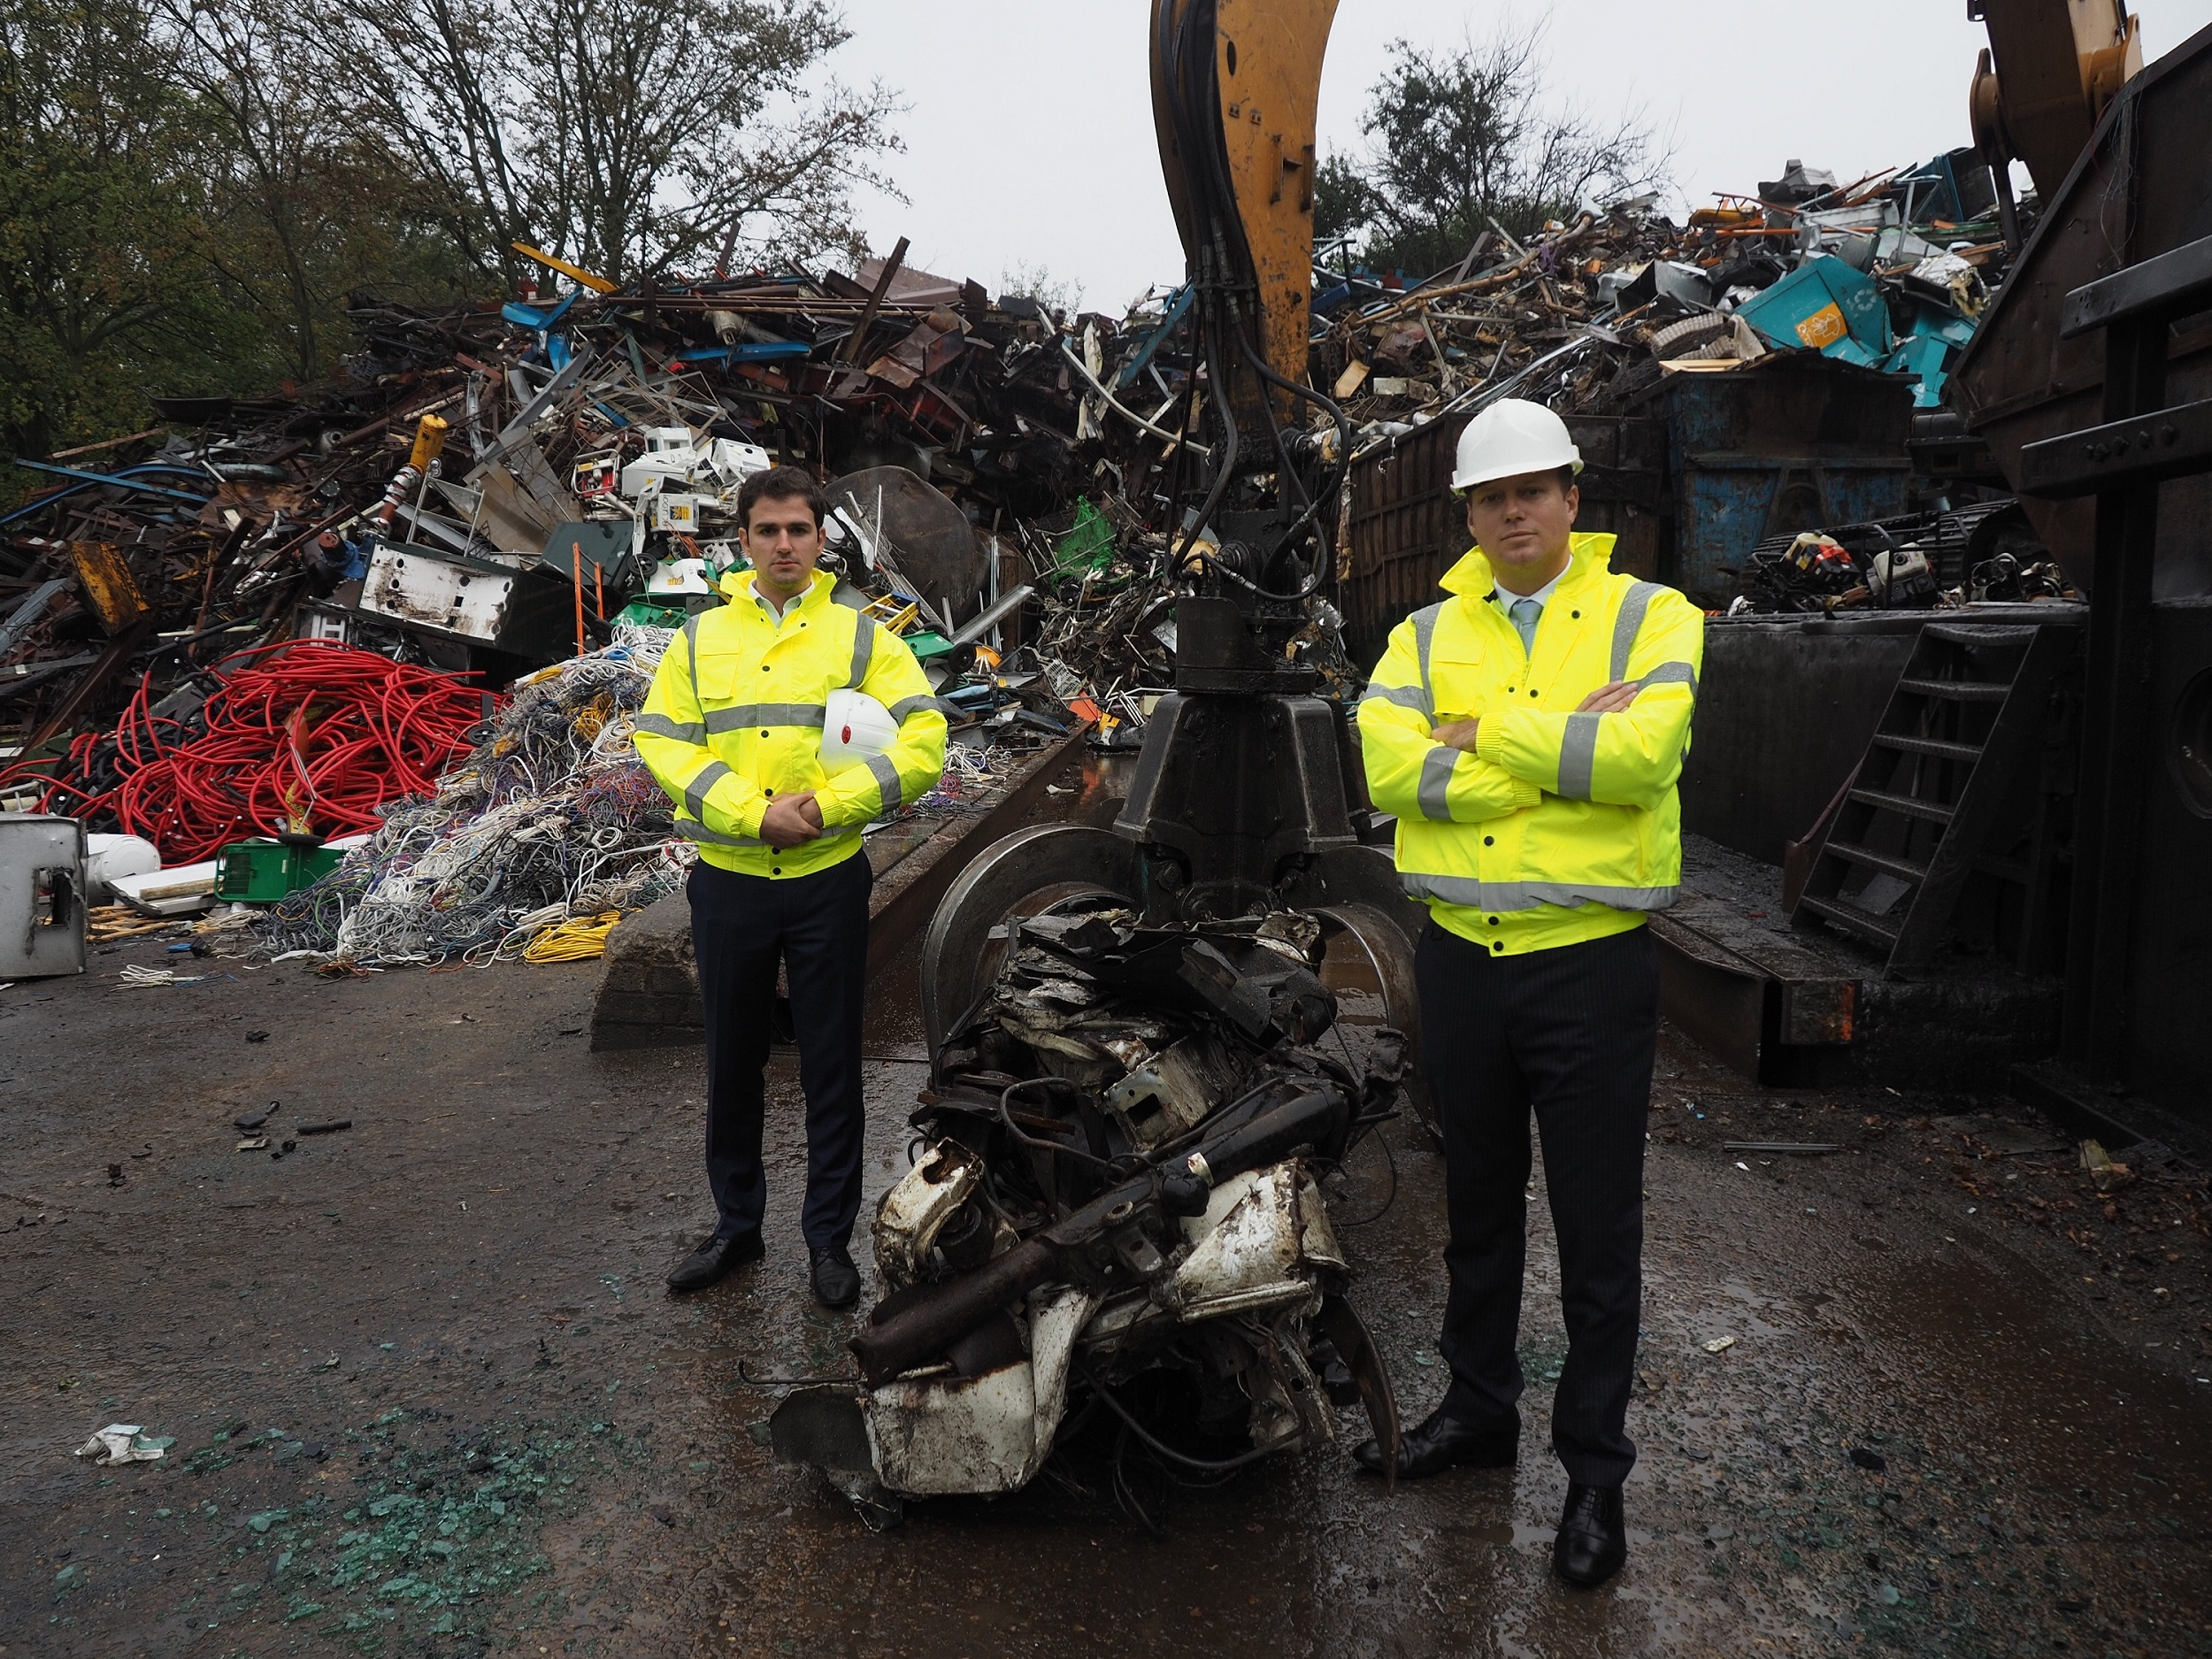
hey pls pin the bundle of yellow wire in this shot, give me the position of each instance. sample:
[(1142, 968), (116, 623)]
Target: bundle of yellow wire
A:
[(576, 941)]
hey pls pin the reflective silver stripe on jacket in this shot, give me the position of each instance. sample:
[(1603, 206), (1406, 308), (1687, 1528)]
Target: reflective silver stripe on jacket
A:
[(1578, 756), (739, 716), (864, 648), (661, 725), (1671, 674), (695, 791), (1405, 696), (1630, 623), (886, 776), (1526, 896), (905, 706), (1435, 793), (693, 830), (690, 829), (1424, 637)]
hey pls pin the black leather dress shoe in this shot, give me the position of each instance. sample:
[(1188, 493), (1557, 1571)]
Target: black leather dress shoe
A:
[(1443, 1442), (712, 1260), (1593, 1540), (836, 1280)]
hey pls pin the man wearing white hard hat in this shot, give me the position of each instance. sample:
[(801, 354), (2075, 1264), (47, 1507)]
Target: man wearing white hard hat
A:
[(1527, 731), (780, 722)]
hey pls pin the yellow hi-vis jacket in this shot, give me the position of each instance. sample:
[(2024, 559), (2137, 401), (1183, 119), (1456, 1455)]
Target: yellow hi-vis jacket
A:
[(1559, 826), (734, 718)]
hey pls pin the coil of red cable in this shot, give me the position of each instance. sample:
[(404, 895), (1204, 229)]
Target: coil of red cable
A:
[(301, 733)]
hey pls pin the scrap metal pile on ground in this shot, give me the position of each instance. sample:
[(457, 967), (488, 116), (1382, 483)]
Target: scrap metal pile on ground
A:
[(1889, 272), (1604, 317), (1115, 1223), (1985, 552), (493, 489), (304, 740)]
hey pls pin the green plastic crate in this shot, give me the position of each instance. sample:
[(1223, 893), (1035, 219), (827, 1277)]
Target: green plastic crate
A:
[(1088, 545), (261, 871), (925, 645)]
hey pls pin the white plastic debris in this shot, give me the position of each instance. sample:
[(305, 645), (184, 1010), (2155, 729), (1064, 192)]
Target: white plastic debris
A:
[(125, 1443), (1720, 1345), (108, 857), (136, 977)]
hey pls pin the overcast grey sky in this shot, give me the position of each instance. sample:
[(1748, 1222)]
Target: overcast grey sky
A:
[(1030, 136)]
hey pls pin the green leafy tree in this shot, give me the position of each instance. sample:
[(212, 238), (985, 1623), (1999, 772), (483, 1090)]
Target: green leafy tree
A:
[(104, 287), (1344, 203), (1464, 137), (300, 207)]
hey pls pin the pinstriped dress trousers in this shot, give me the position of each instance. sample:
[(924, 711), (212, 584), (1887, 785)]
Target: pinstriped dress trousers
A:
[(1567, 1033), (816, 925)]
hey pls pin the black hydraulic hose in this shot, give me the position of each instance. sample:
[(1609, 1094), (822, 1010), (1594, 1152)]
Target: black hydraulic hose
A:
[(1199, 163), (1160, 1448), (1225, 473), (1006, 1116), (1212, 200)]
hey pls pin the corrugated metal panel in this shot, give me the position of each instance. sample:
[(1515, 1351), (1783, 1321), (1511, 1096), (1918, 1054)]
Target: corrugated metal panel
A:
[(1800, 442)]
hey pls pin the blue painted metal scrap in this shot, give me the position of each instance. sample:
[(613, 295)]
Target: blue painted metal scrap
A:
[(1786, 444), (1826, 306)]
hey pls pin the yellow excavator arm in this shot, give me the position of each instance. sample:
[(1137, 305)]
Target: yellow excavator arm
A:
[(1236, 87), (2044, 80)]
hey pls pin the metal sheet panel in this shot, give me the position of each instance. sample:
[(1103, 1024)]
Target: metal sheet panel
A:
[(2022, 379), (468, 599), (42, 895)]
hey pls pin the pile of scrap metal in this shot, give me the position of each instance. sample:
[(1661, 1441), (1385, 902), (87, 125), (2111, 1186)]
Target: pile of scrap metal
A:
[(1890, 271), (1115, 1221), (494, 488), (1981, 553), (146, 556)]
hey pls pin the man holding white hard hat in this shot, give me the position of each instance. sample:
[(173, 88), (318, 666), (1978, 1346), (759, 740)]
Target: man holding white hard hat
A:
[(1527, 731), (780, 724)]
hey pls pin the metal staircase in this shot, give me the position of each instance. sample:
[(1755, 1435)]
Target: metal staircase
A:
[(1941, 780)]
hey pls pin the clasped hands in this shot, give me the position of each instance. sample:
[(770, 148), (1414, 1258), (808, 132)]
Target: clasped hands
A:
[(1609, 698), (791, 821)]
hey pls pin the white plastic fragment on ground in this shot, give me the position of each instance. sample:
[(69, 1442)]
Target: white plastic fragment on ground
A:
[(125, 1443), (1720, 1345)]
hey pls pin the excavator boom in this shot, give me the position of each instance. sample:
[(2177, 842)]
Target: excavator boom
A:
[(2050, 68), (1236, 87)]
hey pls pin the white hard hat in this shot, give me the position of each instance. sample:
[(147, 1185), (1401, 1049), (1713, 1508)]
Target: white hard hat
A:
[(855, 728), (1511, 437)]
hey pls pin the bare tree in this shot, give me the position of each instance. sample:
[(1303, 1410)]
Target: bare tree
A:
[(284, 187), (1463, 137), (630, 136)]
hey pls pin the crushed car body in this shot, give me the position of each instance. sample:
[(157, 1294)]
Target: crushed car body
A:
[(1115, 1206)]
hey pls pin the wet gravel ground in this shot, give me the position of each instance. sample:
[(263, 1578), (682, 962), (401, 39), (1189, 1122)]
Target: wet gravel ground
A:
[(428, 1396)]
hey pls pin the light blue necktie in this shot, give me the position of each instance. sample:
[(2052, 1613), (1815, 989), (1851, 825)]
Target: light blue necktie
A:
[(1524, 614)]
